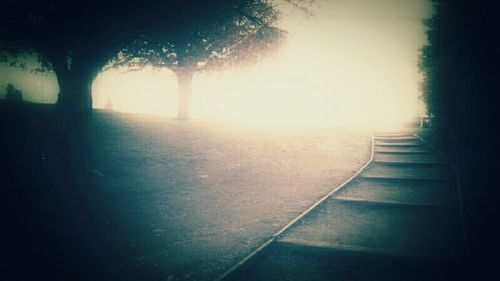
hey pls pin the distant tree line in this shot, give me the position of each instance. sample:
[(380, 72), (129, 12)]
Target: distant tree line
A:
[(460, 64)]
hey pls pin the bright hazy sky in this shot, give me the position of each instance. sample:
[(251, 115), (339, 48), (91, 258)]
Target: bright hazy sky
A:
[(354, 63)]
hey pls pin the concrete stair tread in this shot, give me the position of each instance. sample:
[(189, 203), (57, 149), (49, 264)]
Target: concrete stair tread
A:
[(398, 144), (412, 192), (305, 260), (411, 172), (405, 151), (402, 148), (392, 134), (370, 182), (393, 203), (400, 162), (429, 158), (339, 248), (398, 219), (409, 231), (396, 139)]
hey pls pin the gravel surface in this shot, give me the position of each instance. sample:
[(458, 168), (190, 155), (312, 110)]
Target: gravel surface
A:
[(187, 200)]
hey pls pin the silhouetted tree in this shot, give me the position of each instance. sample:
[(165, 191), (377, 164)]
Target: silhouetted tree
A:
[(209, 35), (76, 39), (460, 66), (12, 94)]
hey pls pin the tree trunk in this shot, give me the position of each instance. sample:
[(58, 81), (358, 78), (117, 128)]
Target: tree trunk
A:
[(74, 108), (184, 79), (75, 96)]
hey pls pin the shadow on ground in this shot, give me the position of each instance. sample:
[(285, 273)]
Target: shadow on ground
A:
[(130, 198)]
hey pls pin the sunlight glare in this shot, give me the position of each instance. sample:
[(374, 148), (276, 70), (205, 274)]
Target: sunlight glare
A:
[(335, 70), (147, 91)]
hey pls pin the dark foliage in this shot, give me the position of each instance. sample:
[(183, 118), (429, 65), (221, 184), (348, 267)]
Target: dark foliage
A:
[(12, 94), (214, 34), (77, 39), (460, 66), (47, 181), (206, 35)]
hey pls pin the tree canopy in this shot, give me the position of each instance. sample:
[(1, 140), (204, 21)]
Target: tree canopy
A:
[(78, 38), (460, 67), (461, 45), (212, 35), (215, 34), (74, 38)]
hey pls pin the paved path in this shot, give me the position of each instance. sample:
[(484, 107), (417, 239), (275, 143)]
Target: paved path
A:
[(398, 219)]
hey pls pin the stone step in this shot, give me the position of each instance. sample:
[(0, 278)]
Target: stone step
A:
[(302, 260), (408, 192), (402, 148), (399, 150), (425, 172), (408, 158), (392, 135), (398, 144), (396, 139), (390, 203), (399, 219), (389, 230), (409, 163)]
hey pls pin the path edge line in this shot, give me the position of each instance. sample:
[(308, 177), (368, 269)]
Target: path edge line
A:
[(302, 215)]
